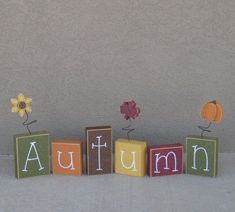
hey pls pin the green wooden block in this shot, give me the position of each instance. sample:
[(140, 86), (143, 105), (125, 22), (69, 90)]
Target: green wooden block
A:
[(32, 154), (202, 156)]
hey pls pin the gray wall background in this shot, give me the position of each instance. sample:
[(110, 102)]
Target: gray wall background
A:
[(79, 60)]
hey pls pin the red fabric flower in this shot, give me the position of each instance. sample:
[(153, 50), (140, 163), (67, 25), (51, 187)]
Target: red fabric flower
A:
[(130, 110)]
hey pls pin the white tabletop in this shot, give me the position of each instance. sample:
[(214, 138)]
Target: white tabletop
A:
[(118, 192)]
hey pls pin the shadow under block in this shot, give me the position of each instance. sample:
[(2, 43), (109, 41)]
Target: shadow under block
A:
[(165, 160), (130, 157), (99, 150), (67, 157), (31, 154), (202, 156)]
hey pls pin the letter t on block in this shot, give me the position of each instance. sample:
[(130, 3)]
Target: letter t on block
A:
[(202, 156), (130, 157), (67, 157), (99, 150), (165, 160), (31, 154)]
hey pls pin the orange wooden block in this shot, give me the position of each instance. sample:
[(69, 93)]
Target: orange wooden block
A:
[(67, 157)]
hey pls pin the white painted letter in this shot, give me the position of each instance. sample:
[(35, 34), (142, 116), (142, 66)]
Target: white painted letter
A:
[(133, 165), (98, 146), (195, 149), (31, 159), (70, 166), (166, 160)]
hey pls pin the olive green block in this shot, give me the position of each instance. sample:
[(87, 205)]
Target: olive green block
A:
[(202, 156), (32, 154)]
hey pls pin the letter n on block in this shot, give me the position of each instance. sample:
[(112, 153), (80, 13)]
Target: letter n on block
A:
[(165, 160), (130, 157), (31, 154), (99, 150), (67, 157), (202, 156)]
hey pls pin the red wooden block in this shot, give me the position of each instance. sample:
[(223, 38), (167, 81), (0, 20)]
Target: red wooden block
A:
[(165, 160)]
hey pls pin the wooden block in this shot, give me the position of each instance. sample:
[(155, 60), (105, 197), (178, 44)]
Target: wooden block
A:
[(31, 154), (165, 160), (202, 156), (130, 157), (99, 150), (67, 157)]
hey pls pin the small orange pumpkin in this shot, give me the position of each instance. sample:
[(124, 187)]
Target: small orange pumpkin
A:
[(212, 111)]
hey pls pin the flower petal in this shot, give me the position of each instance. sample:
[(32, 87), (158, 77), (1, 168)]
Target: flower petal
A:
[(21, 113), (14, 109), (28, 109), (14, 101), (130, 110), (28, 100), (21, 97)]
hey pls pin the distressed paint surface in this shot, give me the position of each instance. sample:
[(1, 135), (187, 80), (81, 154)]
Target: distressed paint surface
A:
[(130, 157), (210, 144), (22, 145), (99, 150), (67, 157), (161, 167)]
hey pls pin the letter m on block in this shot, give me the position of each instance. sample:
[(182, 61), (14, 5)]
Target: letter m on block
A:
[(165, 160)]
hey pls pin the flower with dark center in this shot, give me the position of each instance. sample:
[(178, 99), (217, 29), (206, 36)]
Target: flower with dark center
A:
[(21, 105)]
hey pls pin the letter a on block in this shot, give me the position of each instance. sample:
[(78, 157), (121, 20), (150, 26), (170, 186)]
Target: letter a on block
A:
[(67, 158), (130, 157), (202, 156), (32, 154), (32, 146)]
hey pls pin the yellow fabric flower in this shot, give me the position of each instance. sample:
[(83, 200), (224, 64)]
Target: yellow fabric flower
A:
[(21, 105)]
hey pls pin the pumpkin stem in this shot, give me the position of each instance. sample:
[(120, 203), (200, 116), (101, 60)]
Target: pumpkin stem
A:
[(214, 102), (128, 129), (205, 129)]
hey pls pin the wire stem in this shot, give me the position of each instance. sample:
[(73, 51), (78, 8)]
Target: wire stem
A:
[(25, 124), (205, 129), (128, 129)]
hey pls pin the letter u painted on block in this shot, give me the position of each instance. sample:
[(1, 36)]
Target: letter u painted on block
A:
[(166, 161), (195, 149), (70, 166), (133, 164)]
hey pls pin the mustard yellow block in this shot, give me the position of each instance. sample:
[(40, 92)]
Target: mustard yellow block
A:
[(130, 157)]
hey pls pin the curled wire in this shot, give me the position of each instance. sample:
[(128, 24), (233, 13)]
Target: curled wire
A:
[(128, 129), (205, 129), (25, 124)]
